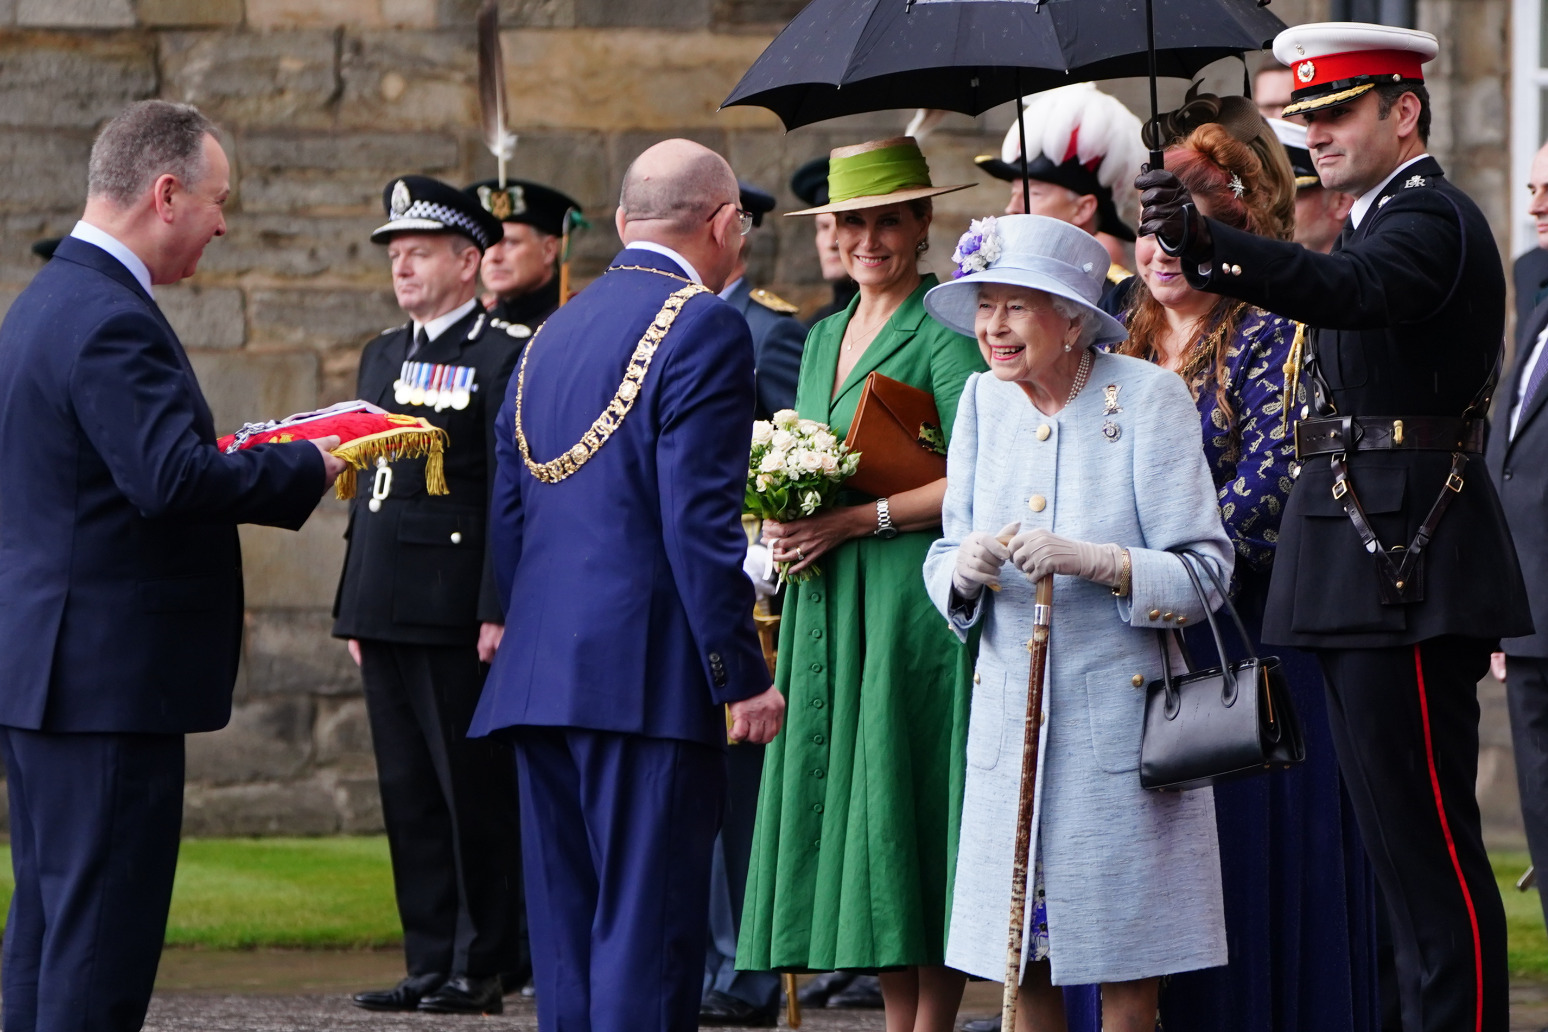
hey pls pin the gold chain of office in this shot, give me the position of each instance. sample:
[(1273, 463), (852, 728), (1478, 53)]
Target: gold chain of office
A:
[(612, 416)]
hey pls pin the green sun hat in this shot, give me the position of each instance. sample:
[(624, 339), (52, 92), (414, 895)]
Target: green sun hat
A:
[(869, 175)]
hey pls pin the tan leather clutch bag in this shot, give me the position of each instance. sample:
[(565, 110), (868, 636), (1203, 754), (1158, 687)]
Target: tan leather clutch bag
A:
[(897, 431)]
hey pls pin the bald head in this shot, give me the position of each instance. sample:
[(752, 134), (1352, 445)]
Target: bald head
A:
[(673, 187)]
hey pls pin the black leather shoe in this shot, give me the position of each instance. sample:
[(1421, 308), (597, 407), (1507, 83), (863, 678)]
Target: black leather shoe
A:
[(816, 992), (464, 995), (863, 992), (721, 1008), (404, 996), (982, 1025)]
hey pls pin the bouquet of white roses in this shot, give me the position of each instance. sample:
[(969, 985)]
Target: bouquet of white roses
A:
[(796, 468)]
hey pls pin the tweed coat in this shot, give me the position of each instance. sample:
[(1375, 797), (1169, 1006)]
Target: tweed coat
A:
[(1132, 877)]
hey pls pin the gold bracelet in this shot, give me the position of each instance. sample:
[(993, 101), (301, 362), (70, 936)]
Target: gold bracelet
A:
[(1125, 574)]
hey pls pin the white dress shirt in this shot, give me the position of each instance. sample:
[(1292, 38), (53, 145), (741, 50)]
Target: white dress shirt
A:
[(683, 263), (441, 323), (1526, 378), (115, 247)]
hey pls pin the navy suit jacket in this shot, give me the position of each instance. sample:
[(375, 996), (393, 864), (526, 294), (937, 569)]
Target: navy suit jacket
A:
[(120, 571), (626, 608)]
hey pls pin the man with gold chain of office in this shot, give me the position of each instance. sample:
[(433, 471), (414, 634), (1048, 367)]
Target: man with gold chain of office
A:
[(1394, 564)]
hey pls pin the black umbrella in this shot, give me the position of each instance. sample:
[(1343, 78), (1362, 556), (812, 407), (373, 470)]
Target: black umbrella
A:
[(844, 57)]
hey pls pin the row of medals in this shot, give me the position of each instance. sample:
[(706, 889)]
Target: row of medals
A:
[(434, 386)]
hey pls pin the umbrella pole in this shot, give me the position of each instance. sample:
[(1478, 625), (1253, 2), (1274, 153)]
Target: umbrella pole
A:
[(1021, 129), (1042, 614), (1156, 158)]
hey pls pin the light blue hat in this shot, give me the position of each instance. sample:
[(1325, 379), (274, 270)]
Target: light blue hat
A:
[(1032, 251)]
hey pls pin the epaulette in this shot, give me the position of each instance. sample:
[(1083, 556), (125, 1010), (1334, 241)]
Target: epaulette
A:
[(772, 301), (517, 330), (1117, 273)]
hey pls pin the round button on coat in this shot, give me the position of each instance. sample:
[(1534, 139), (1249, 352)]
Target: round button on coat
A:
[(1043, 432), (1037, 503), (456, 537)]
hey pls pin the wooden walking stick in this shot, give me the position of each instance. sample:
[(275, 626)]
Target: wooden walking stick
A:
[(1042, 617)]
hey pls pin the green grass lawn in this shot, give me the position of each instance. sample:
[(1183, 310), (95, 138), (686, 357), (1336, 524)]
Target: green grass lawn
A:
[(305, 893), (336, 893)]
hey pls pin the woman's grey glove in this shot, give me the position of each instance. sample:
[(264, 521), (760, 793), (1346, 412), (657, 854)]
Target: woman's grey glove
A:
[(1037, 553), (979, 559)]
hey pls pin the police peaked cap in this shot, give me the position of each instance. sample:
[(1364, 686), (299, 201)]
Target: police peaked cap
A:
[(533, 204), (755, 200), (419, 204), (810, 183)]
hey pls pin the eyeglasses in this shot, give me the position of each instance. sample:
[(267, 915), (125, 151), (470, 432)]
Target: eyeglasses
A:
[(744, 218)]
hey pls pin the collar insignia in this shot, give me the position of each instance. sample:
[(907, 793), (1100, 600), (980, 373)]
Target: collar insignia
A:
[(1383, 202), (1413, 181)]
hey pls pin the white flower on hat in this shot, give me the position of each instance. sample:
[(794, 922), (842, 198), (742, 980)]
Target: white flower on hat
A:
[(978, 248)]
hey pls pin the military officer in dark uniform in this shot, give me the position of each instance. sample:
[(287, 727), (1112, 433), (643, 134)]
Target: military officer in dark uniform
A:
[(810, 183), (778, 337), (1081, 143), (418, 606), (1395, 564), (521, 268)]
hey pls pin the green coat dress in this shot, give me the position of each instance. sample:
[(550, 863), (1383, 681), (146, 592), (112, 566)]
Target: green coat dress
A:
[(856, 835)]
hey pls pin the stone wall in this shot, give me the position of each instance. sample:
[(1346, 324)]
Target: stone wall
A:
[(323, 102)]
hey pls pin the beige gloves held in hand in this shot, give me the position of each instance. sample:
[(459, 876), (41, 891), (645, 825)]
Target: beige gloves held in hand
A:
[(1040, 552)]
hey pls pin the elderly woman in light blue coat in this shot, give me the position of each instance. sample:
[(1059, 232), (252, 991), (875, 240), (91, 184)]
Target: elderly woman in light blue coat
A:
[(1087, 466)]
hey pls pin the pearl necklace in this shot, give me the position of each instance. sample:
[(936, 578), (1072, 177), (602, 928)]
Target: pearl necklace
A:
[(1080, 375)]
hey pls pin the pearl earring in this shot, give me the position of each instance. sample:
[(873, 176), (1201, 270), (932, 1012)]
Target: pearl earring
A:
[(1068, 346)]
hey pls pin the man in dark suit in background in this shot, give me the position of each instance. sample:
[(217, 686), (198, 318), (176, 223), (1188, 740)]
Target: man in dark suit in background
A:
[(618, 554), (1518, 462), (733, 997), (417, 603), (120, 573)]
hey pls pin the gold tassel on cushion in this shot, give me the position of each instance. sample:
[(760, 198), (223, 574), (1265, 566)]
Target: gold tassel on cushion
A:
[(413, 438), (435, 469), (344, 486)]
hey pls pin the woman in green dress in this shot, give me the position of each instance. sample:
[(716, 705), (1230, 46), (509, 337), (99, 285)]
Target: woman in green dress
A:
[(857, 813)]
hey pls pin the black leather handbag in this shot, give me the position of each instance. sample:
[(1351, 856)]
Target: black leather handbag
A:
[(1223, 722)]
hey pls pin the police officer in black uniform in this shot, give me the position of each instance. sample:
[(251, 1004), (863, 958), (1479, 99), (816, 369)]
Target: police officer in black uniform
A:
[(1394, 564), (778, 337), (417, 603), (521, 268)]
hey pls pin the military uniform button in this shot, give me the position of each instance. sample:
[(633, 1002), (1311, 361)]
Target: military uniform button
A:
[(456, 537), (1043, 432), (1181, 620), (1155, 614), (1167, 617), (375, 505), (1138, 680), (1507, 474), (1037, 503)]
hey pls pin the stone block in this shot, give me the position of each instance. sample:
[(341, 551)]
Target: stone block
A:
[(654, 14), (332, 172), (423, 80), (275, 808), (737, 13), (296, 570), (75, 14), (287, 247), (42, 171), (342, 731), (267, 739), (242, 386), (292, 650), (592, 79), (358, 802), (204, 317), (189, 13), (58, 80), (7, 12), (254, 78), (323, 319), (310, 14)]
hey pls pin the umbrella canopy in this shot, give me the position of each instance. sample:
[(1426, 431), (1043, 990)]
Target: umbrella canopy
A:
[(845, 57)]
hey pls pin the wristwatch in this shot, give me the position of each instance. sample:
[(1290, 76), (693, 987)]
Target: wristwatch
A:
[(884, 528)]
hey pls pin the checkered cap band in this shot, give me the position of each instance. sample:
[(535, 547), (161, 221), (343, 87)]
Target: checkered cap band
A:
[(451, 218)]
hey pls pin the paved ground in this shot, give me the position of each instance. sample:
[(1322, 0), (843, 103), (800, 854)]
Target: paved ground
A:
[(298, 991)]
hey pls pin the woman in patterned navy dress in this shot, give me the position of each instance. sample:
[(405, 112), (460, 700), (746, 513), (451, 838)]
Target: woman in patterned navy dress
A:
[(1299, 895)]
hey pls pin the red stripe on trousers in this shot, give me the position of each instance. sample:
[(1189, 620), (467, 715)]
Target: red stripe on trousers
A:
[(1451, 847)]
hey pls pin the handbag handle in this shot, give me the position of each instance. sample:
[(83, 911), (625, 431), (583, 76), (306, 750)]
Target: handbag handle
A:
[(1173, 699)]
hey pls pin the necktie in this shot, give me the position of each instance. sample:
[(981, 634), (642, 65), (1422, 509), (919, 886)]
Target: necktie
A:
[(421, 338)]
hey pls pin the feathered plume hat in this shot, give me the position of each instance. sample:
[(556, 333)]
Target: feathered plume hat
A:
[(1079, 138)]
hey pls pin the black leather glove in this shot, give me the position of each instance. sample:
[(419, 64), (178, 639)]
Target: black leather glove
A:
[(1167, 211)]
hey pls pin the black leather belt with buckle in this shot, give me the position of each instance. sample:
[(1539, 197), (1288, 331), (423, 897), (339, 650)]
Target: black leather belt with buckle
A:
[(1333, 435)]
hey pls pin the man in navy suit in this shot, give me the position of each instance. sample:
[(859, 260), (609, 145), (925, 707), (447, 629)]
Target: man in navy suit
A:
[(622, 457), (1518, 461), (120, 573)]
